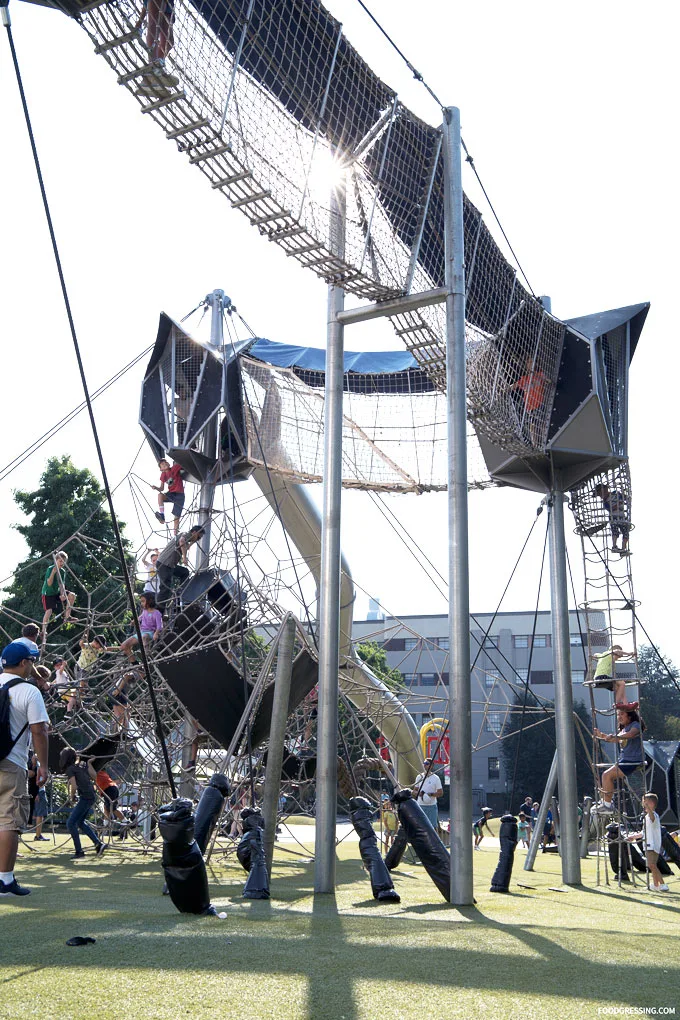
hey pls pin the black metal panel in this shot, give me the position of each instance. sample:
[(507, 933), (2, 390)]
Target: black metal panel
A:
[(574, 381), (210, 688), (208, 399), (305, 677), (153, 413), (212, 691)]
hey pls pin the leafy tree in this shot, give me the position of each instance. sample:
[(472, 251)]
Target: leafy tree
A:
[(375, 658), (660, 696), (536, 750), (68, 500)]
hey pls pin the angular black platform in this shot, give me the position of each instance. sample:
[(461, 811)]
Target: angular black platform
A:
[(212, 691)]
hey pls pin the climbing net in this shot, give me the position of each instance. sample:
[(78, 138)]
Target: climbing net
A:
[(278, 110)]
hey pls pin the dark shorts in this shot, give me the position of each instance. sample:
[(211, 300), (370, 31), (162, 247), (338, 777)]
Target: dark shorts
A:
[(51, 602), (119, 699), (112, 794), (605, 682), (177, 500), (628, 767)]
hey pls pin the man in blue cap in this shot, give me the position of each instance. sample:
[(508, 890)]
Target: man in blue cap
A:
[(28, 720)]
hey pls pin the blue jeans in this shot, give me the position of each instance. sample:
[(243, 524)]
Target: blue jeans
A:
[(76, 820), (431, 813)]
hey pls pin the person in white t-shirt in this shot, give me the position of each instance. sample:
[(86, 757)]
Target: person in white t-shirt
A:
[(28, 721), (427, 790), (652, 840)]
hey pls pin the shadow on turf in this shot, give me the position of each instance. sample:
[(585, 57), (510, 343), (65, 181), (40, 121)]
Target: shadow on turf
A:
[(397, 948)]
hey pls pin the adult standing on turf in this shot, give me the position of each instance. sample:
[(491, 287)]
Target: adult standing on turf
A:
[(172, 562), (80, 776), (172, 477), (28, 720), (427, 789)]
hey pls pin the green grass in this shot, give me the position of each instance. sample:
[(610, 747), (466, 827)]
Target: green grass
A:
[(534, 953)]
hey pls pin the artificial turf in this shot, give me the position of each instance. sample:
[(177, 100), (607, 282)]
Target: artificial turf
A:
[(534, 952)]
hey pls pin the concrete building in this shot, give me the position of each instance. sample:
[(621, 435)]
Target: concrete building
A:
[(506, 651)]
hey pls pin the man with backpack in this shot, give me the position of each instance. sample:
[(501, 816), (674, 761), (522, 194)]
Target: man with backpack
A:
[(23, 717)]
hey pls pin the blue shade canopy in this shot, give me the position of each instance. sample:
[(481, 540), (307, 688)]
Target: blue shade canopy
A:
[(314, 358)]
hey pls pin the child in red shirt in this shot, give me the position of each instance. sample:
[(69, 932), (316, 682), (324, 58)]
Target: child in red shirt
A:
[(175, 494)]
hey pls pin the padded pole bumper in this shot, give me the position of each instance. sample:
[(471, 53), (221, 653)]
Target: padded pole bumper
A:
[(250, 853), (361, 813), (508, 840), (183, 864), (209, 808), (421, 835)]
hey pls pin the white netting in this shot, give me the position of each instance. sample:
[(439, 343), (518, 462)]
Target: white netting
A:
[(276, 108)]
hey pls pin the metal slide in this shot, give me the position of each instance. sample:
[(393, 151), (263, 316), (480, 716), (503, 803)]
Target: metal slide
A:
[(302, 522)]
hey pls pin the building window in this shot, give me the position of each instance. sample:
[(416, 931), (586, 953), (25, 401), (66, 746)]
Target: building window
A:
[(541, 676), (578, 676), (490, 642), (490, 679), (520, 640), (442, 642), (542, 641), (428, 679), (523, 674), (410, 643), (493, 723), (394, 645), (575, 640), (494, 768), (410, 678)]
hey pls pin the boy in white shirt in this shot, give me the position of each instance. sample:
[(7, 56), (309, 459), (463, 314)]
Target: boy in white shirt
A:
[(652, 839)]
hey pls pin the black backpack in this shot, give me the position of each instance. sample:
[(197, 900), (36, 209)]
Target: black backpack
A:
[(7, 742)]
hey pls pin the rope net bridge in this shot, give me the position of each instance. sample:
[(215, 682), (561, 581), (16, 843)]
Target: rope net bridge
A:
[(277, 109)]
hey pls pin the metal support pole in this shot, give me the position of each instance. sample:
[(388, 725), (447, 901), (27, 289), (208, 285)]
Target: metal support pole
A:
[(329, 589), (460, 723), (542, 815), (216, 301), (564, 700), (205, 504), (277, 734)]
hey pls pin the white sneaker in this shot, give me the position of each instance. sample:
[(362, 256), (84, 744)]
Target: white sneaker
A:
[(604, 809), (661, 888)]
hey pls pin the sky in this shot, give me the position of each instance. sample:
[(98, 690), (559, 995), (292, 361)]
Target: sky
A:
[(569, 113)]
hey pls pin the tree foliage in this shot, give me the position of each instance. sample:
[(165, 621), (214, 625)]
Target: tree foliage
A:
[(375, 658), (536, 749), (68, 500), (660, 695)]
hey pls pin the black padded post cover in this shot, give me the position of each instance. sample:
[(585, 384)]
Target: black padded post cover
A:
[(619, 863), (183, 863), (397, 850), (209, 807), (425, 841), (669, 846), (361, 813), (250, 853), (500, 881)]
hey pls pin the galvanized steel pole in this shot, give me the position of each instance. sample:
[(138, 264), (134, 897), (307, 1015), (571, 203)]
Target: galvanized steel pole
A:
[(564, 700), (460, 726), (542, 816), (277, 735), (329, 593)]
